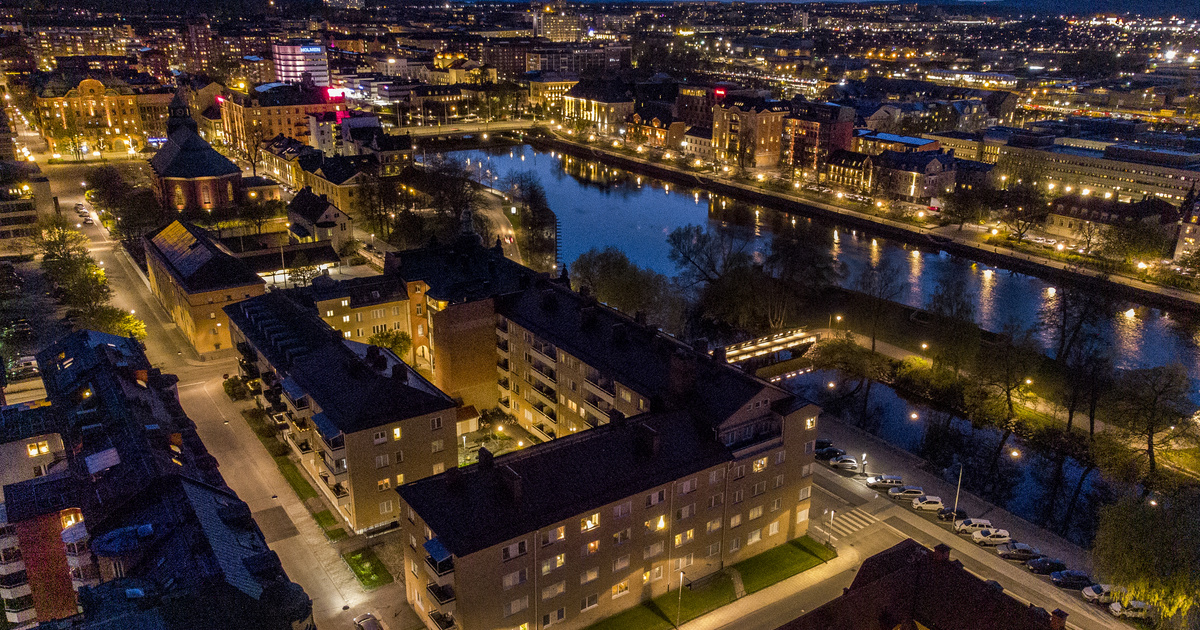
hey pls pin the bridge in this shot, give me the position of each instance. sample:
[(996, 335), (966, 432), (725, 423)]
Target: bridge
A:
[(462, 128), (763, 346)]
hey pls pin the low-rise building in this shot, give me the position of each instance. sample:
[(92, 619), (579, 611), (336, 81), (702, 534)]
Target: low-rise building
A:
[(874, 143), (194, 276), (656, 127), (548, 88), (850, 170), (600, 105), (188, 173), (917, 176), (698, 142), (1085, 217), (361, 421), (313, 219)]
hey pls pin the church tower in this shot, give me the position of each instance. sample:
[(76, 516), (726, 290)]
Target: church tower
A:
[(178, 114)]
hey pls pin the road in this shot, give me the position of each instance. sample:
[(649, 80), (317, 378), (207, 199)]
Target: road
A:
[(247, 467), (459, 128)]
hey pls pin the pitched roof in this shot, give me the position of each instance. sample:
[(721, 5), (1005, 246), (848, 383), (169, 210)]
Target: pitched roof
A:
[(913, 162), (474, 508), (196, 261), (461, 271), (186, 155), (1110, 211), (309, 205), (601, 91), (845, 158)]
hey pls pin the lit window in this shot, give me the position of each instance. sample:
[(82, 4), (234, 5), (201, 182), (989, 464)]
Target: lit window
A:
[(620, 589), (759, 464), (396, 433), (657, 524), (38, 448), (589, 523), (684, 537), (591, 548)]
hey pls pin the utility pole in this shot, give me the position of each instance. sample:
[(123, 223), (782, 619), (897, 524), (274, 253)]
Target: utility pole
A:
[(956, 491)]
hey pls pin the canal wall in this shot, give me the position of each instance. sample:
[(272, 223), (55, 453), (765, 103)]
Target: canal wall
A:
[(1050, 270)]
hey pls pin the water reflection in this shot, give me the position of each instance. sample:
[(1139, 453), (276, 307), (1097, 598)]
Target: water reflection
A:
[(599, 206)]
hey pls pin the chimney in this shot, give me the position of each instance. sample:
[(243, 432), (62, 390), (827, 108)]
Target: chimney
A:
[(648, 442), (616, 418), (941, 553), (485, 458), (1058, 619), (512, 481)]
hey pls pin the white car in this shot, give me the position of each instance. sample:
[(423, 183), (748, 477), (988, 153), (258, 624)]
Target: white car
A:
[(991, 537), (925, 502), (971, 525), (885, 481), (844, 462), (1134, 610), (1099, 593), (906, 492)]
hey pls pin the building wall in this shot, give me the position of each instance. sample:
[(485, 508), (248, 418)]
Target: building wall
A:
[(360, 322), (199, 316), (203, 193), (102, 117), (605, 117), (45, 560), (751, 139), (248, 123), (1124, 181), (26, 459), (464, 364)]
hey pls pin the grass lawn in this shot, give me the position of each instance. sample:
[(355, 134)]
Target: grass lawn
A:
[(1188, 458), (636, 618), (295, 478), (367, 568), (335, 535), (695, 602), (782, 562), (325, 519)]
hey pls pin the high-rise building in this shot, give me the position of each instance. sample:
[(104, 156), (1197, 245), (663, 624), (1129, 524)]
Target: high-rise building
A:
[(297, 60), (557, 24), (198, 49)]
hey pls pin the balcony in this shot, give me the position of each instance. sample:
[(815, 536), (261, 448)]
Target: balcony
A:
[(440, 569), (545, 371), (442, 621), (441, 594), (545, 390), (502, 344), (502, 363), (502, 326), (601, 383), (14, 585), (503, 383), (597, 403), (503, 402), (546, 350)]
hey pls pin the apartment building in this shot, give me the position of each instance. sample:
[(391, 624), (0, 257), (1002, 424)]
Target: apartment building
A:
[(273, 109), (747, 131), (557, 25), (361, 307), (812, 132), (62, 40), (548, 88), (286, 159), (576, 530), (360, 420), (24, 197)]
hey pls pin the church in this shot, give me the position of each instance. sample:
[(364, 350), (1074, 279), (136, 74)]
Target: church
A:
[(189, 173)]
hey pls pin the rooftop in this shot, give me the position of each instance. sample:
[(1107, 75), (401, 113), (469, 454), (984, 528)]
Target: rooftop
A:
[(196, 261), (461, 271)]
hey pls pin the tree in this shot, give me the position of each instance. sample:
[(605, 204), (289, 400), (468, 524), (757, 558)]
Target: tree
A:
[(1150, 406), (1153, 552), (1089, 234), (84, 283), (1008, 372), (614, 280), (108, 188), (114, 321), (259, 213), (1133, 241), (1069, 314), (139, 212), (58, 239), (704, 257), (302, 270), (967, 205), (495, 417), (881, 284), (951, 303), (398, 341), (1024, 208)]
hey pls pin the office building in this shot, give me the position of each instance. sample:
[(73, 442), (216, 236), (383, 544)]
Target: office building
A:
[(100, 111), (300, 60), (600, 105)]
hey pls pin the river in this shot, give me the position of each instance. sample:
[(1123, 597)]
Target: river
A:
[(598, 206)]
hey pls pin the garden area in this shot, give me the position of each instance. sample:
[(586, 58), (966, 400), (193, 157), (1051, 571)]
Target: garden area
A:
[(367, 567)]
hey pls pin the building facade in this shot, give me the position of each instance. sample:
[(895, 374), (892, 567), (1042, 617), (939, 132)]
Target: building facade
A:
[(298, 60), (748, 131)]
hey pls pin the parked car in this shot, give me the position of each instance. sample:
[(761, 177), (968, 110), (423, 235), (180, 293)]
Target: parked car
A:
[(972, 525), (88, 221), (1099, 593), (824, 443), (827, 454), (951, 514), (1071, 578), (1045, 565), (906, 492), (1132, 610), (844, 462), (991, 537), (367, 621), (885, 481), (926, 502), (1018, 551)]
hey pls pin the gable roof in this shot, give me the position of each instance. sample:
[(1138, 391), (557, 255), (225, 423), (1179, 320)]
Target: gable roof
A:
[(309, 205), (197, 262), (186, 155)]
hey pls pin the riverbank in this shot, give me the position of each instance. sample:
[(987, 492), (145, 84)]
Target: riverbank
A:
[(921, 237)]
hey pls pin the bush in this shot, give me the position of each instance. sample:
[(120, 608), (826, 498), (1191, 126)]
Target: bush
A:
[(236, 389)]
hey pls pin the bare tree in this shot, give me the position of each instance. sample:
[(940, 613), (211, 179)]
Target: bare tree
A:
[(881, 284)]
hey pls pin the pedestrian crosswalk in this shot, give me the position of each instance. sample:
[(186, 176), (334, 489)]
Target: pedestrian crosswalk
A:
[(846, 523)]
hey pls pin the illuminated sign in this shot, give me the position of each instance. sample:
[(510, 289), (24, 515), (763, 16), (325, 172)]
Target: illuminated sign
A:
[(719, 92), (308, 50), (336, 92)]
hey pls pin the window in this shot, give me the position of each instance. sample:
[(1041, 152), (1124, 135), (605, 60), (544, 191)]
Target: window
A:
[(328, 313), (400, 480), (437, 446), (735, 520), (554, 590), (514, 550), (554, 535), (810, 447), (759, 464), (656, 524), (739, 472), (553, 562), (755, 512), (399, 457), (779, 457), (515, 578), (716, 499), (358, 317), (620, 588), (589, 523), (652, 550), (682, 562), (754, 537), (554, 617), (378, 313), (622, 536), (516, 606), (346, 318), (396, 435), (385, 507), (622, 509), (715, 477), (684, 538), (435, 423), (589, 602), (779, 480), (810, 423), (734, 545), (805, 492), (654, 498), (773, 529), (758, 488), (38, 448), (712, 525), (685, 512), (776, 505), (621, 563), (806, 470), (737, 496), (687, 486), (801, 515), (380, 437), (384, 484), (591, 548), (589, 575), (381, 461)]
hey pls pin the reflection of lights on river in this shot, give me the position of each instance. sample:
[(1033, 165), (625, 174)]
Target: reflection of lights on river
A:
[(1128, 332)]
